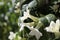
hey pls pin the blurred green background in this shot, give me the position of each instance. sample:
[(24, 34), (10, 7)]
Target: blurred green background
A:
[(8, 18)]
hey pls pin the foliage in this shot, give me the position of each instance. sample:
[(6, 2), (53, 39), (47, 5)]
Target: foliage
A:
[(8, 18)]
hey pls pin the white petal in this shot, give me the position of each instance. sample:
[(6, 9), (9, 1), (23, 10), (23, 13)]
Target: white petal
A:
[(31, 33), (58, 22), (52, 24), (22, 27), (36, 33), (51, 27), (11, 36), (57, 25), (47, 29)]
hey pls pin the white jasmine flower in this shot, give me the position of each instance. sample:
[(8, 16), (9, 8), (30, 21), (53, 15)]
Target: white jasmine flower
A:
[(20, 22), (11, 36), (24, 17), (54, 28), (30, 16), (27, 15), (50, 28), (35, 32)]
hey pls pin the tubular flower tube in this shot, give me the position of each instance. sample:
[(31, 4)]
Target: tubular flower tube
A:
[(43, 21)]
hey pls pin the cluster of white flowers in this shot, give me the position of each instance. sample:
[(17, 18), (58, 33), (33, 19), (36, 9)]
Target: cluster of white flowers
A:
[(54, 28), (34, 31)]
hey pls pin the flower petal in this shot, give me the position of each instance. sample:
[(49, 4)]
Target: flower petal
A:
[(35, 32)]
